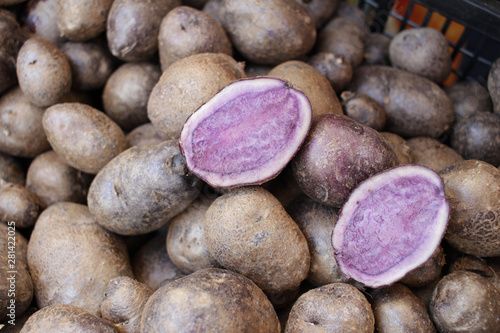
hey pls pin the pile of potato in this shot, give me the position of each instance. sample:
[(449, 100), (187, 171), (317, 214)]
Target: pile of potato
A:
[(106, 229)]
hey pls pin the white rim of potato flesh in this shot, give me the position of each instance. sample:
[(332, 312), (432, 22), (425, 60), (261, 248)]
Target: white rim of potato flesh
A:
[(420, 255), (267, 170)]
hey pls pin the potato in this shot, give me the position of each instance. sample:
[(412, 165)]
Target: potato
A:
[(336, 156), (335, 68), (52, 180), (91, 64), (133, 26), (468, 97), (320, 10), (16, 287), (85, 138), (316, 221), (473, 191), (11, 39), (414, 105), (82, 20), (12, 169), (211, 300), (162, 188), (336, 307), (43, 72), (423, 51), (72, 259), (41, 19), (427, 272), (316, 86), (144, 134), (289, 33), (353, 12), (185, 86), (64, 318), (124, 300), (20, 321), (397, 309), (248, 231), (18, 204), (126, 93), (432, 153), (186, 31), (377, 49), (400, 147), (493, 85), (21, 130), (364, 109)]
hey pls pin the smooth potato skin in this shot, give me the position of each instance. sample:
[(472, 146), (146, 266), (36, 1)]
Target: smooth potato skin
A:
[(468, 97), (82, 136)]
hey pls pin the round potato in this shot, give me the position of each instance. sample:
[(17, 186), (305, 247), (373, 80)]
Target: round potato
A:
[(364, 109), (468, 97), (335, 68), (84, 137), (18, 204)]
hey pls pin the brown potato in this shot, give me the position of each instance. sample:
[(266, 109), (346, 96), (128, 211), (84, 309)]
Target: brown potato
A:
[(185, 86), (82, 20), (11, 39), (52, 180), (312, 83), (84, 137), (43, 72), (126, 93), (21, 130), (18, 204), (335, 68), (351, 11), (144, 134), (12, 169), (133, 26), (212, 300), (16, 287), (72, 259), (41, 19), (9, 230), (377, 49), (320, 10), (364, 109), (432, 153), (427, 272), (400, 147), (185, 31), (468, 97)]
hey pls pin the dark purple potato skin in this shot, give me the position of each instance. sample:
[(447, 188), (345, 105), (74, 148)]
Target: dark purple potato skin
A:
[(336, 156)]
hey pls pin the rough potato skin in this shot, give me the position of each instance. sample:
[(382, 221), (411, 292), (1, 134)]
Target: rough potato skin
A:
[(210, 300), (72, 259), (43, 71), (432, 153), (21, 245), (162, 188), (464, 301), (336, 307), (248, 231), (468, 97), (18, 204), (397, 309), (493, 85), (185, 86), (269, 32), (472, 188), (317, 88), (84, 137), (400, 147), (414, 106), (427, 272), (11, 39), (64, 318)]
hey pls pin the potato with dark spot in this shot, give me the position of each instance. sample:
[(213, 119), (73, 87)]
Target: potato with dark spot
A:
[(84, 137), (423, 51), (427, 272), (432, 153), (144, 134), (64, 318), (335, 68), (52, 180), (21, 130), (468, 97), (12, 38), (12, 169), (473, 190), (18, 204), (364, 109), (72, 259), (313, 84), (133, 26), (397, 309), (185, 31), (43, 72), (493, 85), (320, 10), (335, 307), (400, 147), (211, 300)]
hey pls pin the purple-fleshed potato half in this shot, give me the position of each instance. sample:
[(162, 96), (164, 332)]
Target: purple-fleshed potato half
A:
[(247, 133), (391, 223)]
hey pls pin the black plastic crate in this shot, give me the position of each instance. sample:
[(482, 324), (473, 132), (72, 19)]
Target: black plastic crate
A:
[(472, 28)]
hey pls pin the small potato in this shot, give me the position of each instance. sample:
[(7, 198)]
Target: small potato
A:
[(18, 204), (432, 153), (11, 39), (364, 109), (41, 19), (12, 169), (133, 26), (427, 272), (468, 97), (186, 31), (72, 259), (64, 318), (320, 10), (210, 300), (21, 130), (43, 72), (351, 11), (52, 180), (400, 147), (422, 51), (85, 138), (82, 20), (377, 49), (126, 93), (144, 134), (335, 68)]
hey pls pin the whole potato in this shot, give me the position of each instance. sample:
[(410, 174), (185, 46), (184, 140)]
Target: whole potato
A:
[(334, 67), (363, 109), (43, 72), (11, 39), (84, 137), (41, 19), (18, 204), (72, 259), (468, 97)]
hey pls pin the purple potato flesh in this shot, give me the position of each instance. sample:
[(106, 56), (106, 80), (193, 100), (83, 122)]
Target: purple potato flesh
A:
[(391, 223), (247, 133)]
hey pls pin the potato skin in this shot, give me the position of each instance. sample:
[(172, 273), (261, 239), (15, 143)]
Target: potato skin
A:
[(400, 147), (18, 204), (432, 153), (162, 189), (415, 106), (41, 19), (72, 259), (334, 67), (82, 136), (11, 40), (468, 97), (320, 10), (12, 169), (211, 300), (15, 285)]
